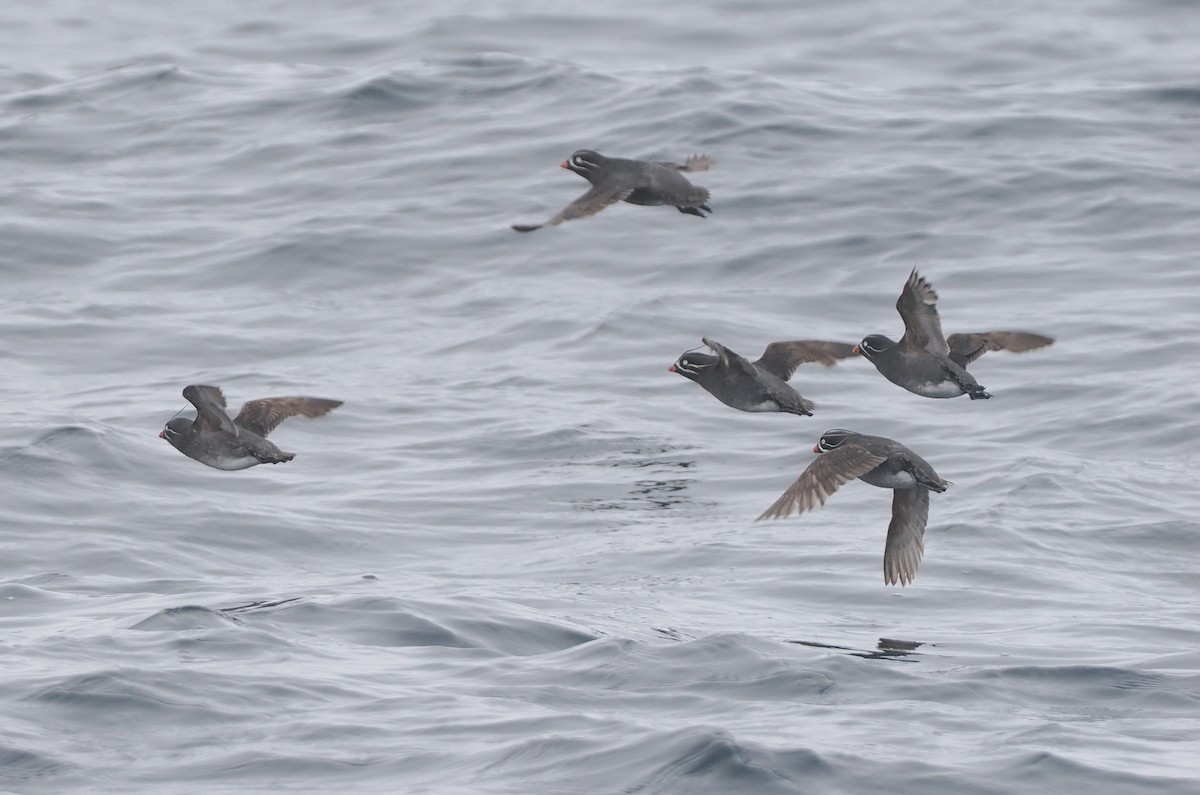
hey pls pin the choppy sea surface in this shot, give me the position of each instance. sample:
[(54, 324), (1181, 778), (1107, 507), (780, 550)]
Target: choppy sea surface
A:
[(522, 557)]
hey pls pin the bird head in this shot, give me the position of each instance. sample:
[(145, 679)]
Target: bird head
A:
[(831, 440), (175, 429), (585, 162), (872, 345), (692, 364)]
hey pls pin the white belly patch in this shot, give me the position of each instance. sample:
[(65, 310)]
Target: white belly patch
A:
[(945, 389), (899, 480), (233, 464)]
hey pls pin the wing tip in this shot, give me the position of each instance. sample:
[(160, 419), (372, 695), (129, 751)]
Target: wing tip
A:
[(829, 353), (780, 509), (322, 406)]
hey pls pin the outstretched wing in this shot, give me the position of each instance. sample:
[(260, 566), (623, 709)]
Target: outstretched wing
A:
[(917, 306), (210, 408), (589, 203), (906, 535), (692, 164), (782, 358), (966, 348), (264, 415), (825, 475)]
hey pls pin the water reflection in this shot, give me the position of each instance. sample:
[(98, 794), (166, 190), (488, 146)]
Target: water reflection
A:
[(885, 649)]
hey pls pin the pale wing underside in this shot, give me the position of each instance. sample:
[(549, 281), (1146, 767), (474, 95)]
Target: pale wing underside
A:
[(825, 475), (906, 533), (589, 203)]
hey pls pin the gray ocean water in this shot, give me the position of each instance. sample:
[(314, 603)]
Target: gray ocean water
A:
[(522, 557)]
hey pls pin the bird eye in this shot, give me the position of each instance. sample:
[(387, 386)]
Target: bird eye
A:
[(576, 160), (684, 362)]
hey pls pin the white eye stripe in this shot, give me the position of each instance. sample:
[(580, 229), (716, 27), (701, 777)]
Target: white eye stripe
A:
[(687, 365), (831, 441)]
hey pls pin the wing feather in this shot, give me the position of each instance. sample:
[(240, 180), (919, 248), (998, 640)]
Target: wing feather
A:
[(906, 535), (586, 205), (782, 358), (966, 348), (264, 415), (917, 306), (210, 408), (702, 162), (825, 475), (730, 359)]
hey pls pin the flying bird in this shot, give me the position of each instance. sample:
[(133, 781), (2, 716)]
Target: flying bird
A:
[(759, 385), (928, 363), (616, 179), (214, 439), (846, 455)]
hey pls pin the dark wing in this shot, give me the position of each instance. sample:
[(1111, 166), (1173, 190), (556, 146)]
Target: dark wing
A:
[(966, 348), (782, 358), (263, 416), (825, 475), (917, 306), (210, 408), (730, 359), (589, 203), (692, 164), (906, 534)]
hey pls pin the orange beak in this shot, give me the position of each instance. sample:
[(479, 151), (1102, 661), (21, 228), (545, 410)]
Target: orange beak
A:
[(563, 164), (856, 350)]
